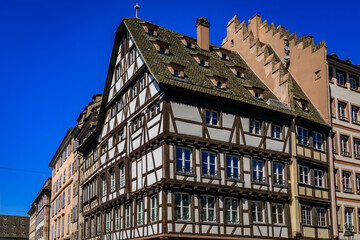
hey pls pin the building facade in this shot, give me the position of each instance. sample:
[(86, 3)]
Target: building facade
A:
[(63, 167), (193, 143), (345, 102), (14, 227), (40, 213), (32, 222)]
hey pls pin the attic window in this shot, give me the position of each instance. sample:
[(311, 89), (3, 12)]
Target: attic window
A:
[(223, 54), (188, 42), (176, 70), (256, 92), (238, 71), (202, 60), (161, 47), (302, 104), (150, 29), (219, 82)]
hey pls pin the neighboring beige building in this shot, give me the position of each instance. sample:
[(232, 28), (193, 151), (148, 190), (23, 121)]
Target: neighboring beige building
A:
[(40, 213), (32, 222), (63, 167), (345, 105)]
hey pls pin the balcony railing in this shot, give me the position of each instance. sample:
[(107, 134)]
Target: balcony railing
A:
[(356, 121), (345, 153), (349, 226), (259, 180), (347, 188), (343, 117), (279, 182), (183, 169), (211, 173), (233, 176), (304, 143)]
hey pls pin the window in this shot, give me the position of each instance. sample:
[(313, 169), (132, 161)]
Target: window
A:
[(344, 145), (69, 194), (358, 183), (355, 114), (92, 227), (104, 148), (258, 171), (113, 110), (117, 219), (207, 208), (107, 223), (132, 56), (104, 187), (304, 175), (255, 127), (320, 212), (134, 90), (257, 211), (353, 83), (139, 208), (212, 118), (154, 208), (306, 214), (278, 174), (277, 211), (183, 160), (86, 229), (188, 44), (118, 72), (342, 111), (182, 206), (317, 140), (176, 73), (122, 175), (303, 137), (150, 32), (319, 178), (119, 105), (62, 225), (223, 56), (349, 219), (127, 215), (275, 131), (232, 167), (112, 180), (209, 164), (98, 224), (347, 181), (141, 83), (232, 210), (137, 123), (340, 78)]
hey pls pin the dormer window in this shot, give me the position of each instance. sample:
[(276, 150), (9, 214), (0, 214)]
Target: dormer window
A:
[(302, 104), (161, 47), (219, 82), (223, 54), (202, 60), (238, 71), (150, 29), (176, 70), (188, 42), (256, 92)]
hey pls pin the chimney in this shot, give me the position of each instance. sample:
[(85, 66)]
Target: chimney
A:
[(202, 28)]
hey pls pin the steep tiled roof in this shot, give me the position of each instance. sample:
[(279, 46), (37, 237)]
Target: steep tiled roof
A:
[(196, 76)]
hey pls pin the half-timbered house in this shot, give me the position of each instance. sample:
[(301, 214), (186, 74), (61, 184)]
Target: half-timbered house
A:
[(194, 145)]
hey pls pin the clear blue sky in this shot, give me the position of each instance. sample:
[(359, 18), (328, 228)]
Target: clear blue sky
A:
[(54, 56)]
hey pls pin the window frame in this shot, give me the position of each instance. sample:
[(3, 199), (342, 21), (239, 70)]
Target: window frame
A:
[(279, 178), (257, 171), (139, 212), (230, 174), (255, 212), (209, 118), (183, 168), (274, 133), (302, 138), (229, 211), (306, 214), (321, 217), (207, 209), (181, 207), (304, 178), (318, 139), (154, 208), (253, 129), (319, 180), (208, 172), (277, 213)]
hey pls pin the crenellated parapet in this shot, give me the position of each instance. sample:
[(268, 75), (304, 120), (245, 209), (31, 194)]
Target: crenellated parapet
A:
[(304, 62)]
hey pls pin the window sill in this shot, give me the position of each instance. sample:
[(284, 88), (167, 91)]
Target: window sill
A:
[(211, 177), (344, 119), (256, 135), (190, 174), (343, 86)]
